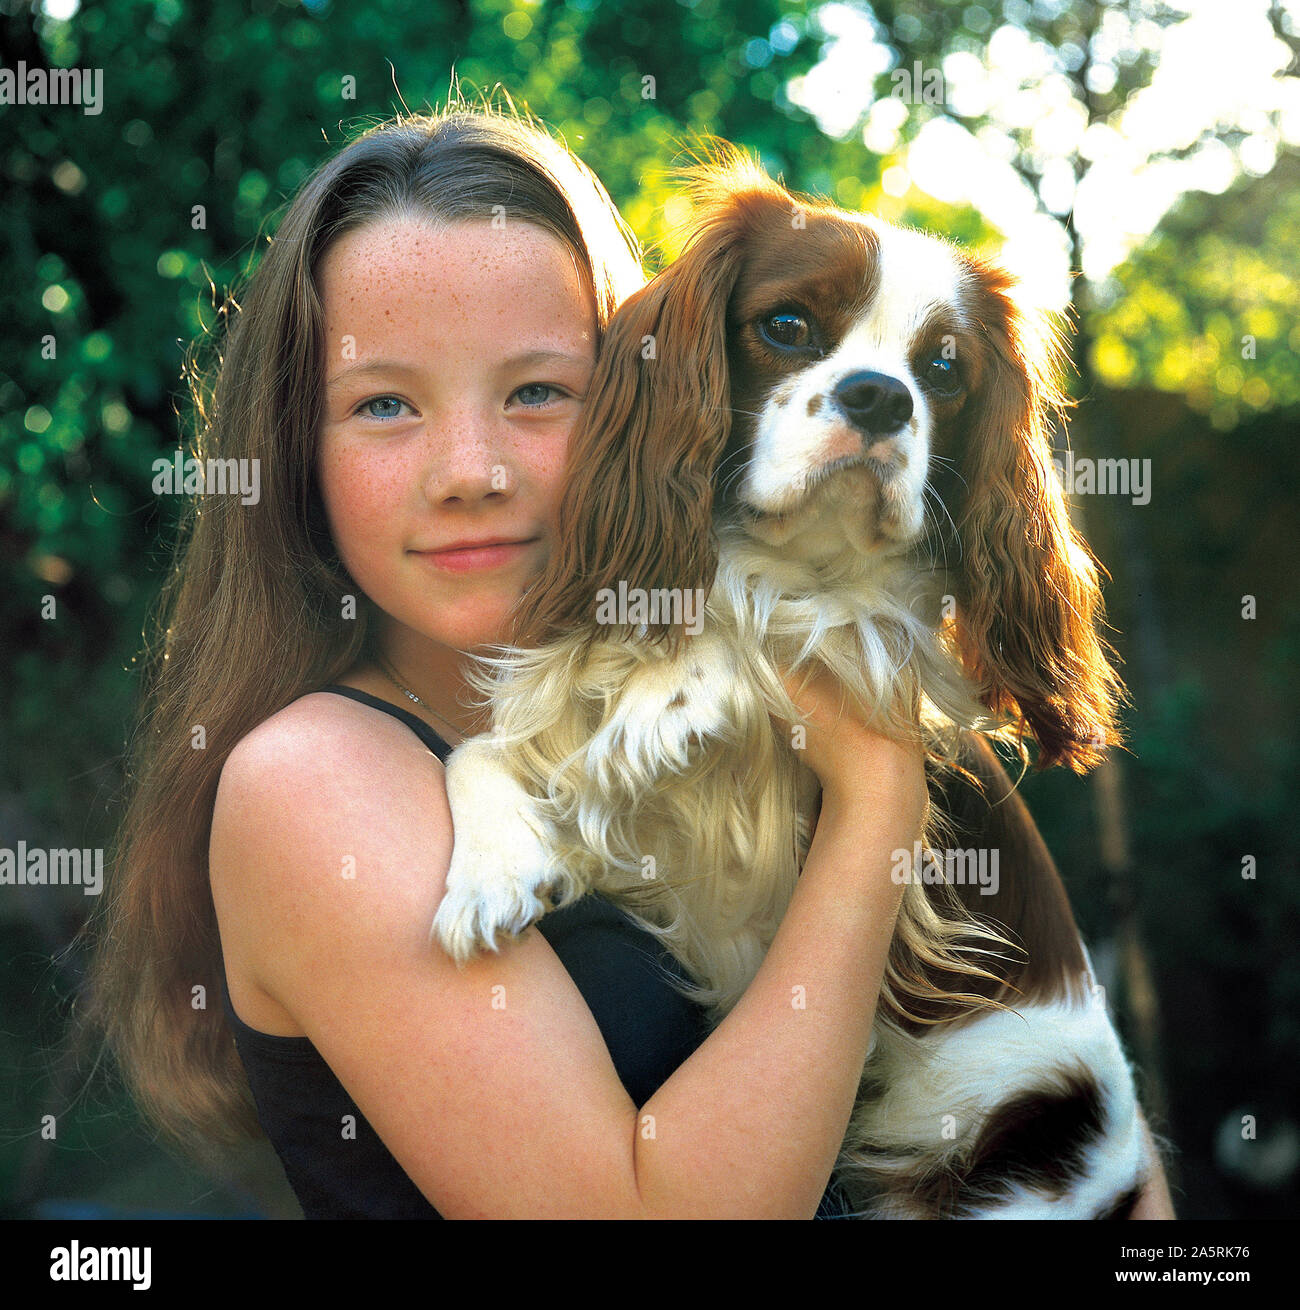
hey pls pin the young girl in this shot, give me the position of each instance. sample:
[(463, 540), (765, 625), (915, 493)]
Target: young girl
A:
[(407, 365)]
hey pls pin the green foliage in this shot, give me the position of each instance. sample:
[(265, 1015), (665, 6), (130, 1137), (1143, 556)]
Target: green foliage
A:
[(1209, 308)]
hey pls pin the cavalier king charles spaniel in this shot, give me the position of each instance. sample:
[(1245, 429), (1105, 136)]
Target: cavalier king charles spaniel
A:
[(817, 440)]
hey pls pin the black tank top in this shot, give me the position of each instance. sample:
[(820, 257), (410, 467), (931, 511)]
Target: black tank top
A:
[(334, 1160)]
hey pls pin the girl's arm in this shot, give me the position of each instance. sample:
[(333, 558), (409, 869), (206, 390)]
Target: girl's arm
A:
[(491, 1085)]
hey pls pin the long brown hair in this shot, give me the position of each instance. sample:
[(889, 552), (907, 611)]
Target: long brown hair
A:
[(254, 613)]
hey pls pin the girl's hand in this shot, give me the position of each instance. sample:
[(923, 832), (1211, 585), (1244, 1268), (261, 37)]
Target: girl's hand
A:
[(853, 762)]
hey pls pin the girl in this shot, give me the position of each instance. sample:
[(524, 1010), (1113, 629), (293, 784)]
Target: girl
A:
[(407, 364)]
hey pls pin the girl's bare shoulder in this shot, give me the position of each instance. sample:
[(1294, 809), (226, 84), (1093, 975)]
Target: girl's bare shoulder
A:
[(330, 776), (322, 729)]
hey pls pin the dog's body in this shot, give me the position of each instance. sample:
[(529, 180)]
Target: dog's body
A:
[(776, 458)]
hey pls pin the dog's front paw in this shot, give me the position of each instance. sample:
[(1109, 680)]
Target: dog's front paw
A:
[(499, 862), (489, 894)]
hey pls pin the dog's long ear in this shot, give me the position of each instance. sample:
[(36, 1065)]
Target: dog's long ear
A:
[(637, 508), (1030, 603)]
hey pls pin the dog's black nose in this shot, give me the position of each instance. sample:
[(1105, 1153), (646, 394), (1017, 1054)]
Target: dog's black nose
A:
[(875, 403)]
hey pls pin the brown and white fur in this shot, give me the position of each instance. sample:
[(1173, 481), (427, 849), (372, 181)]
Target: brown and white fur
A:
[(766, 422)]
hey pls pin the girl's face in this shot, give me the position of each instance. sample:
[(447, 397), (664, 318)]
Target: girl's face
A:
[(457, 360)]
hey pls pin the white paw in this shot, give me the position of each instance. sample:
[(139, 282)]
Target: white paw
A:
[(498, 871), (664, 716), (488, 896)]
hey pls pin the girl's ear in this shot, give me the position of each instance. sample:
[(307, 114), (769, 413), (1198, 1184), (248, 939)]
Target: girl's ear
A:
[(1027, 621), (637, 508)]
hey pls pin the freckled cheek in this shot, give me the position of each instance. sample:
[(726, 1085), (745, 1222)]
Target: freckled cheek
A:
[(362, 498), (548, 477)]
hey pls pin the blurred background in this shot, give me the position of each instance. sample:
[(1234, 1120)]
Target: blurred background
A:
[(1140, 163)]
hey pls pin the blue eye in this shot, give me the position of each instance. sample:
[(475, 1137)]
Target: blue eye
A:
[(535, 387), (392, 405)]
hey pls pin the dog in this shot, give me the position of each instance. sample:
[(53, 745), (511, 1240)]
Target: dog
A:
[(788, 432)]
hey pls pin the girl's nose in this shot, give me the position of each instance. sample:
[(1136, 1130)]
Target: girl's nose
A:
[(468, 466)]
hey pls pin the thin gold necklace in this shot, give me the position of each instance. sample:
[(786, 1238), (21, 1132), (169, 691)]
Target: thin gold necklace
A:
[(388, 672)]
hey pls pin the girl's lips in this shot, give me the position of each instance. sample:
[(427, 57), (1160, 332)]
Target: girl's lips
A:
[(473, 558)]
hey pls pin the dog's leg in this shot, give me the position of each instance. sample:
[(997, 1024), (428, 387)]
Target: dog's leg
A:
[(1028, 1114), (506, 839), (499, 864), (1029, 1111)]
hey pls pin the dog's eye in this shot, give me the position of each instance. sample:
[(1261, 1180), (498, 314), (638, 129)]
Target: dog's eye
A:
[(787, 330), (942, 375)]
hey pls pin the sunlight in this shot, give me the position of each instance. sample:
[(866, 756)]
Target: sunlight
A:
[(1218, 68)]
